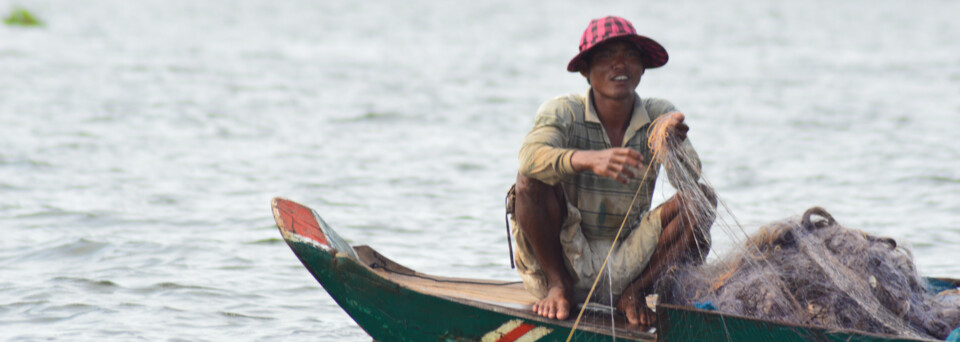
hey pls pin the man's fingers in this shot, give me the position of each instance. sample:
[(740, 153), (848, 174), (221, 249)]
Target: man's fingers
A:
[(622, 164), (628, 156), (677, 126), (634, 157), (619, 178), (634, 161), (621, 173), (678, 116)]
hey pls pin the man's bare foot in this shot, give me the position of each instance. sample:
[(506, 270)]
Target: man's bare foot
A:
[(634, 306), (555, 305)]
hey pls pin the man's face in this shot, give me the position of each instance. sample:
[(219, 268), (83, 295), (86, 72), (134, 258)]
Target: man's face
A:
[(614, 69)]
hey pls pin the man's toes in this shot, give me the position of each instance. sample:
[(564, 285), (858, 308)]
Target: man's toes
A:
[(648, 319), (563, 312), (554, 309), (632, 316)]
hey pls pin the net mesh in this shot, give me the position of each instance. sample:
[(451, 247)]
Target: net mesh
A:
[(810, 271), (804, 270)]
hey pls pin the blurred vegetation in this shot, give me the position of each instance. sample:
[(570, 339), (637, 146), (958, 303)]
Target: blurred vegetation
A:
[(21, 17)]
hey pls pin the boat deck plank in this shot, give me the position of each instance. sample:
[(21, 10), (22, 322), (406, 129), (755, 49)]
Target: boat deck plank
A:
[(505, 295), (510, 294)]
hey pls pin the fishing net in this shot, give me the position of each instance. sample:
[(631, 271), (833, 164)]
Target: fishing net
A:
[(811, 270), (807, 270), (804, 270)]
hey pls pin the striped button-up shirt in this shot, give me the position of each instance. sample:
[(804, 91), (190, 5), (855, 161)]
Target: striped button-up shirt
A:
[(569, 123)]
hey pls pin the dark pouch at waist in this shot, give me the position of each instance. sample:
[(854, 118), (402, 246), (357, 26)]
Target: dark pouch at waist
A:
[(510, 202)]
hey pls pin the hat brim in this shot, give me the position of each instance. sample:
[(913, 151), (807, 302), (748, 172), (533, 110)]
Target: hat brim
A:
[(654, 55)]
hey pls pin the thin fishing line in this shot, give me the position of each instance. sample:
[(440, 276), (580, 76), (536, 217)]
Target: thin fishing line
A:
[(613, 310), (615, 239)]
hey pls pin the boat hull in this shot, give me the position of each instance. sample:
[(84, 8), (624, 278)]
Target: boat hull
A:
[(389, 311), (372, 290), (681, 324)]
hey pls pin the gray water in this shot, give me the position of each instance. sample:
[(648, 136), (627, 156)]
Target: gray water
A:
[(142, 141)]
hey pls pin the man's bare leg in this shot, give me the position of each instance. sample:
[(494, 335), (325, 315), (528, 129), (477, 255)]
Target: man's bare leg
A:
[(540, 211), (678, 242)]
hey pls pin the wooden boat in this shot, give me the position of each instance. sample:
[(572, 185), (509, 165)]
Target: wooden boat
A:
[(394, 303)]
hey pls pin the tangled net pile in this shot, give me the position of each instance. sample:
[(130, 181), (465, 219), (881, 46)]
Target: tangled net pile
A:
[(808, 270), (820, 273)]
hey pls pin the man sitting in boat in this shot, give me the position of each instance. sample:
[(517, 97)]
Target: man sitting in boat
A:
[(580, 167)]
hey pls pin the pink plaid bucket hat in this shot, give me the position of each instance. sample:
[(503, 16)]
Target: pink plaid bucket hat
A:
[(603, 29)]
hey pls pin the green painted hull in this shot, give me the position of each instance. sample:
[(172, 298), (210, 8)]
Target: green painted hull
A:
[(390, 311), (686, 324)]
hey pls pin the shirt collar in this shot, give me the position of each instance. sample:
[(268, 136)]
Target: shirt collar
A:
[(638, 118)]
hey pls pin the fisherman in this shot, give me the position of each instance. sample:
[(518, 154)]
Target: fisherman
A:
[(580, 167)]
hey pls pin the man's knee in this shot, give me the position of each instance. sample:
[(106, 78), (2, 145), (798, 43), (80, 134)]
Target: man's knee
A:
[(532, 193), (533, 189), (528, 187)]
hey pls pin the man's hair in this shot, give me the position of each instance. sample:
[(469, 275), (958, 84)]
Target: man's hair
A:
[(587, 62)]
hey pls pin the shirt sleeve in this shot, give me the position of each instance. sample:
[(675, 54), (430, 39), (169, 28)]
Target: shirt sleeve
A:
[(544, 154), (691, 165)]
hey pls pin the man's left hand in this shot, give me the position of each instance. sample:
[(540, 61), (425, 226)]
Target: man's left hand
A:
[(676, 127)]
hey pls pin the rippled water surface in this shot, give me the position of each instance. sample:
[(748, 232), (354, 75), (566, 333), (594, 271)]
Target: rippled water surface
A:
[(142, 141)]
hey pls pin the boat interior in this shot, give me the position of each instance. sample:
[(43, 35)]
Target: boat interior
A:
[(509, 297)]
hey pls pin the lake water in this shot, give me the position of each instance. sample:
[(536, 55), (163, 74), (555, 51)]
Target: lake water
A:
[(142, 141)]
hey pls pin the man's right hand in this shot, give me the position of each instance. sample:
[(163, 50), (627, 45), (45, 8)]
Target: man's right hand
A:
[(619, 163)]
